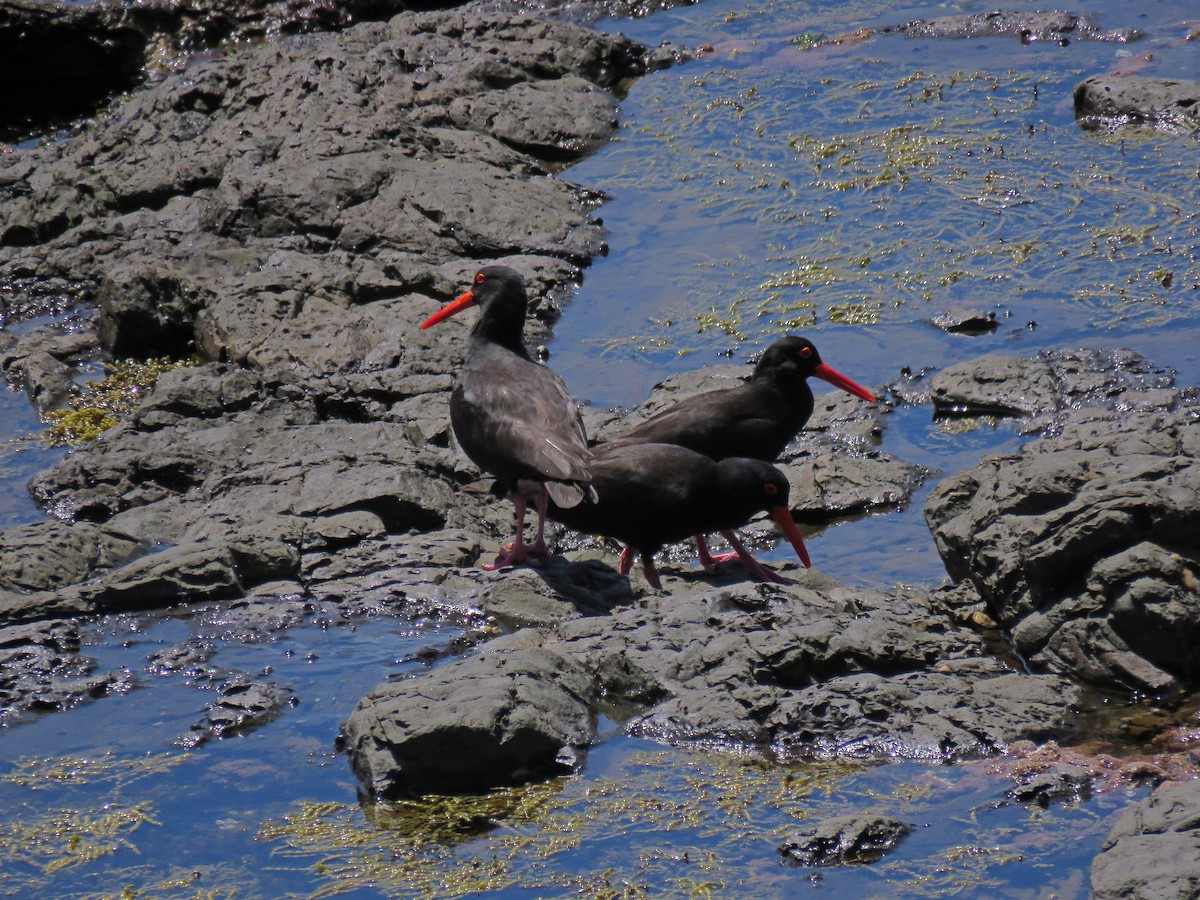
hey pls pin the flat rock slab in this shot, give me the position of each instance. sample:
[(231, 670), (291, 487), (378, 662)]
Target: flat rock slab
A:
[(1151, 852), (1086, 544), (1052, 381), (782, 671), (1112, 100)]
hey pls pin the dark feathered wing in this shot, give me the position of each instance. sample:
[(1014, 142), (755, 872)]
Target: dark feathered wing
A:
[(519, 422)]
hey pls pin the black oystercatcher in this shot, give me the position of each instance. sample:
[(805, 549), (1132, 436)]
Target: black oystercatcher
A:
[(513, 417), (655, 494), (755, 419)]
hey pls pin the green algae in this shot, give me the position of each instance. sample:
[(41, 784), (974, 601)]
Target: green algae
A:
[(37, 773), (64, 838), (696, 827), (100, 405)]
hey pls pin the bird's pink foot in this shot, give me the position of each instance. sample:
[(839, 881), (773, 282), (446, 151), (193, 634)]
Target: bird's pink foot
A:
[(708, 562), (512, 555)]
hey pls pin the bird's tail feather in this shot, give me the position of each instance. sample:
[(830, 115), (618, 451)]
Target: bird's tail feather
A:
[(566, 494)]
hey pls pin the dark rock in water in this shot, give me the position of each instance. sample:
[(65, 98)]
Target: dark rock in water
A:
[(1053, 380), (1060, 783), (1152, 850), (844, 840), (966, 321), (244, 704), (1086, 544), (493, 719), (1028, 26), (41, 671), (1111, 100), (44, 361)]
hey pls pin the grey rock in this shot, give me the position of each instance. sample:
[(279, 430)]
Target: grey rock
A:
[(44, 362), (1050, 382), (41, 671), (51, 554), (1062, 782), (244, 704), (843, 840), (814, 668), (966, 321), (1086, 544), (1152, 850), (1112, 100), (487, 720)]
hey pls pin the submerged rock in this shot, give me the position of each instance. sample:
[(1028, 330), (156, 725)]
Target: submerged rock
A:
[(844, 840), (1028, 26), (966, 321)]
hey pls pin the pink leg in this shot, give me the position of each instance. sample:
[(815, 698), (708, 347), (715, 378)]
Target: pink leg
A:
[(708, 562), (627, 560), (538, 547), (756, 570), (518, 550), (650, 572)]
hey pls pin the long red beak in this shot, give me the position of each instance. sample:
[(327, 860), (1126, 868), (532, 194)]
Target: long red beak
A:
[(467, 299), (783, 518), (837, 379)]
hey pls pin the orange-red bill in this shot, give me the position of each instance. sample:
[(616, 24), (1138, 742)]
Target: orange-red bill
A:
[(837, 379), (783, 518), (467, 299)]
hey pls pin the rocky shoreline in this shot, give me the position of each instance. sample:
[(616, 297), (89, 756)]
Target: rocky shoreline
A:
[(293, 211)]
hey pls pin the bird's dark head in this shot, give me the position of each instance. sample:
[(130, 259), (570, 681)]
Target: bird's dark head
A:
[(499, 292), (793, 355), (761, 486), (755, 482), (796, 358)]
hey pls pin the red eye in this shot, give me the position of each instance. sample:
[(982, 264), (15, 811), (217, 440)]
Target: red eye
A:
[(480, 278), (805, 352), (770, 489)]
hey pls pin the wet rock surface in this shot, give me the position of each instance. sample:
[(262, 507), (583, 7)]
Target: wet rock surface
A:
[(1028, 26), (497, 718), (843, 840), (1112, 100), (1153, 848), (1086, 544), (789, 671), (292, 212), (1049, 382)]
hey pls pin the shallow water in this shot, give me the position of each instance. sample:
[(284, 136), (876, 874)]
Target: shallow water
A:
[(945, 180)]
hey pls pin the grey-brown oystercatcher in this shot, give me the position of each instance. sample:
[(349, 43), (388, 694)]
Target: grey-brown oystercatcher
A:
[(513, 417)]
